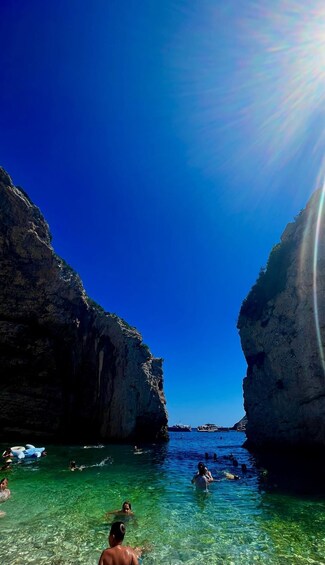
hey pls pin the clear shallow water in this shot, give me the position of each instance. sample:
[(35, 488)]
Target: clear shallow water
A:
[(57, 517)]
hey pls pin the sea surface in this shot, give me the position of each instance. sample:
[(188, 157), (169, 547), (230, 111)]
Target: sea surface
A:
[(57, 517)]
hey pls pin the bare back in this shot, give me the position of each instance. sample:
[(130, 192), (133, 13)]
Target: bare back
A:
[(118, 555)]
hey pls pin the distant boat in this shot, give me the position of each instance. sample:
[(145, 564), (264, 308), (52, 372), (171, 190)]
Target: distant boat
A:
[(208, 428), (180, 428)]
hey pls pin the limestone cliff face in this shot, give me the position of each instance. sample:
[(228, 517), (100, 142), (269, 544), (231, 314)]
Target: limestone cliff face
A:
[(282, 331), (69, 371)]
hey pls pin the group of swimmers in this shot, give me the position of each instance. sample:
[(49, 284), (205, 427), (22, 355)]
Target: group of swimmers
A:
[(116, 553), (203, 476)]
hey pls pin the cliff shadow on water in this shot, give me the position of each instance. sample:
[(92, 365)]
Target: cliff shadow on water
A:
[(298, 471)]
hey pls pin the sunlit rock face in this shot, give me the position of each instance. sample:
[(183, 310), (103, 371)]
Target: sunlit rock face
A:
[(69, 370), (282, 331)]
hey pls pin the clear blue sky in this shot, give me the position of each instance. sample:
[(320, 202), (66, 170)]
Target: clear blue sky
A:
[(167, 145)]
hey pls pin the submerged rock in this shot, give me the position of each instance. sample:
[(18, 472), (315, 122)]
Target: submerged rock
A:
[(282, 330), (69, 370)]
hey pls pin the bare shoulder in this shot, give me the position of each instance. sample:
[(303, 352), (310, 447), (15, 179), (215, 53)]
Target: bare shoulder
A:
[(132, 553), (105, 558)]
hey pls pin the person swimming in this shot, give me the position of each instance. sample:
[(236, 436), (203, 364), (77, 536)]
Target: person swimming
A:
[(230, 476), (207, 473), (7, 465), (74, 467), (4, 491), (126, 510), (201, 480)]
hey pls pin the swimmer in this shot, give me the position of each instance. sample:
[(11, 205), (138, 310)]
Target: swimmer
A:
[(7, 453), (206, 472), (244, 468), (200, 480), (74, 467), (116, 553), (3, 484), (215, 457), (4, 491), (137, 450), (126, 510), (230, 476), (7, 465)]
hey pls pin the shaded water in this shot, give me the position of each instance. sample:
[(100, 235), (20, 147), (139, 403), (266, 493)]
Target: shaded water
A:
[(57, 517)]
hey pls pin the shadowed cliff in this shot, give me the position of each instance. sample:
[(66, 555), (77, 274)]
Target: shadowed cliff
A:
[(69, 370), (282, 330)]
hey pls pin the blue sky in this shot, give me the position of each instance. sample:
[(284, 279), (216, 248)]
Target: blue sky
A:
[(167, 145)]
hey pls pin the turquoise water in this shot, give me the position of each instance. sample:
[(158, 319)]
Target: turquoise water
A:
[(57, 517)]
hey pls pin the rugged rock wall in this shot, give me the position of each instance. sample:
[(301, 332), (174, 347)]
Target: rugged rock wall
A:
[(69, 371), (282, 331)]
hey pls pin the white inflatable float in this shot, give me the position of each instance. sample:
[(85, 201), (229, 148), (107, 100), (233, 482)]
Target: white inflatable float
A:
[(17, 451), (29, 451)]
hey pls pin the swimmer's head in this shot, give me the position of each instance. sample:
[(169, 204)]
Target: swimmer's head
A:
[(200, 464), (126, 506), (117, 533)]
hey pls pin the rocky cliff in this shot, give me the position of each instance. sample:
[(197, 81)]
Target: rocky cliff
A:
[(69, 370), (282, 330)]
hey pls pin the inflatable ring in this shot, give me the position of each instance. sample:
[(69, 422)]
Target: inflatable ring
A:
[(18, 451)]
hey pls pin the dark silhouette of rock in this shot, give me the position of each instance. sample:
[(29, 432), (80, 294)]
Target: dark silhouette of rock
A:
[(282, 330), (69, 370)]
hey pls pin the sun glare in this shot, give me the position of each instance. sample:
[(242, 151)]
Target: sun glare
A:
[(290, 37), (263, 90)]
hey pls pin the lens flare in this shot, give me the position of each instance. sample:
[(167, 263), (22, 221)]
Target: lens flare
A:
[(252, 95), (258, 102), (310, 287), (315, 275)]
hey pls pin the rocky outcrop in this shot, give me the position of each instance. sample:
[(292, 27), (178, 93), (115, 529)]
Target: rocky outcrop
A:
[(69, 370), (282, 331), (241, 425)]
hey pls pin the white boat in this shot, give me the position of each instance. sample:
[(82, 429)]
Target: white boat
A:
[(207, 428)]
